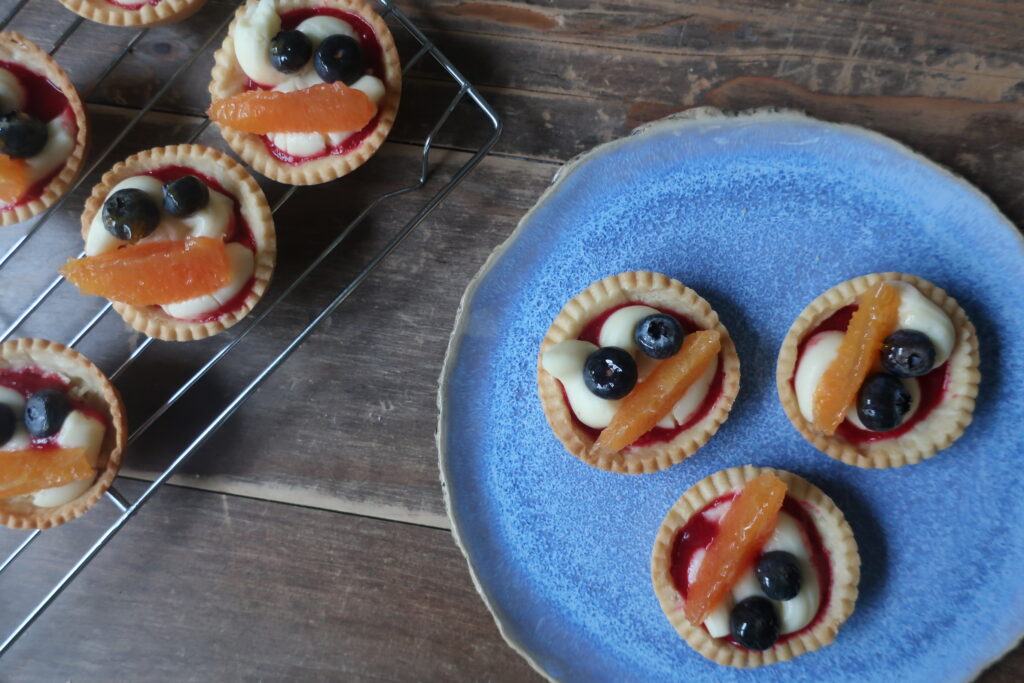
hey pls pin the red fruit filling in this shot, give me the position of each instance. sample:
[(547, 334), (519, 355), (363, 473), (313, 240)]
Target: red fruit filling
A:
[(44, 101)]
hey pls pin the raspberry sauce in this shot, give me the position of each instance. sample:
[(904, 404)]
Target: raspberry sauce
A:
[(933, 386), (373, 55), (700, 531), (238, 232), (44, 101), (29, 380), (591, 333)]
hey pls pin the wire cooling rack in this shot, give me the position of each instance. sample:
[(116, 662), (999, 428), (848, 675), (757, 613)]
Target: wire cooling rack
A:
[(125, 507)]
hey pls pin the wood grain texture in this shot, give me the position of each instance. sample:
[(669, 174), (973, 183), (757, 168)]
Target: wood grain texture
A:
[(204, 587), (347, 424)]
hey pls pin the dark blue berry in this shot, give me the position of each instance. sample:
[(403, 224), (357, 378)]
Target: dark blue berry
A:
[(754, 624), (21, 135), (289, 51), (8, 423), (186, 195), (610, 372), (45, 412), (882, 402), (130, 215), (908, 353), (659, 335), (339, 58), (779, 575)]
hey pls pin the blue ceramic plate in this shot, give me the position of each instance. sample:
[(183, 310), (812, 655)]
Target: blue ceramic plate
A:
[(758, 214)]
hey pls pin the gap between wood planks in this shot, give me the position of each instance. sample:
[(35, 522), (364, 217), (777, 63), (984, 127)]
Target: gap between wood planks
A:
[(296, 496)]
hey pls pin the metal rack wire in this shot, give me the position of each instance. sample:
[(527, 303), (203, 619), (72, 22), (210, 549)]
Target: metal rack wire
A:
[(128, 508)]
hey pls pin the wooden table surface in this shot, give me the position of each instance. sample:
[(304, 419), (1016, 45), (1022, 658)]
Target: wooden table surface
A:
[(308, 538)]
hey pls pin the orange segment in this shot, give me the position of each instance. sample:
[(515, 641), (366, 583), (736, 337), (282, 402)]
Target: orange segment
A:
[(153, 273), (873, 321), (321, 108), (653, 398), (743, 531), (28, 471), (13, 179)]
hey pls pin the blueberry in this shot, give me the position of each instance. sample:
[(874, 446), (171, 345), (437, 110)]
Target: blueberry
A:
[(339, 58), (610, 372), (22, 135), (659, 335), (186, 195), (908, 353), (754, 624), (289, 51), (130, 215), (8, 423), (45, 412), (882, 402), (779, 575)]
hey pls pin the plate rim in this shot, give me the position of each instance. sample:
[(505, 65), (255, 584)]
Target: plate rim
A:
[(689, 118)]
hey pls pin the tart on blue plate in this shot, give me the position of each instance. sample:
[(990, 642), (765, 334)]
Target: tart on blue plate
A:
[(754, 566), (880, 371), (636, 373)]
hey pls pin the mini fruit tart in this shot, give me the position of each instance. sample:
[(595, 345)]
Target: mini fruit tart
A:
[(754, 566), (134, 12), (180, 239), (305, 91), (880, 371), (62, 434), (636, 373), (43, 130)]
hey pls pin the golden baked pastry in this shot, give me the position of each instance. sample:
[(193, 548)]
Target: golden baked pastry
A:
[(134, 12), (231, 209), (606, 315), (912, 415), (43, 150), (330, 41), (808, 612), (55, 403)]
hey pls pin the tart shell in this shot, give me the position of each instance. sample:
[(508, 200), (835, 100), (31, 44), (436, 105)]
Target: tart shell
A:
[(656, 290), (164, 12), (228, 79), (152, 320), (16, 48), (946, 422), (837, 538), (89, 384)]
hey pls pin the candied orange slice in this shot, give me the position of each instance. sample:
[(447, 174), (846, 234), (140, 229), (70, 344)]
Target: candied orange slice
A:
[(745, 528), (653, 398), (13, 179), (321, 108), (153, 273), (28, 471), (873, 321)]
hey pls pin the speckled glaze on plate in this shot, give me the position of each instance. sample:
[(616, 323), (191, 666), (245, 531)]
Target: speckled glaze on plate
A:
[(760, 213)]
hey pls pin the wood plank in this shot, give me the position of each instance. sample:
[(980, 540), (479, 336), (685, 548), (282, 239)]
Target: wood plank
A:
[(212, 587)]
